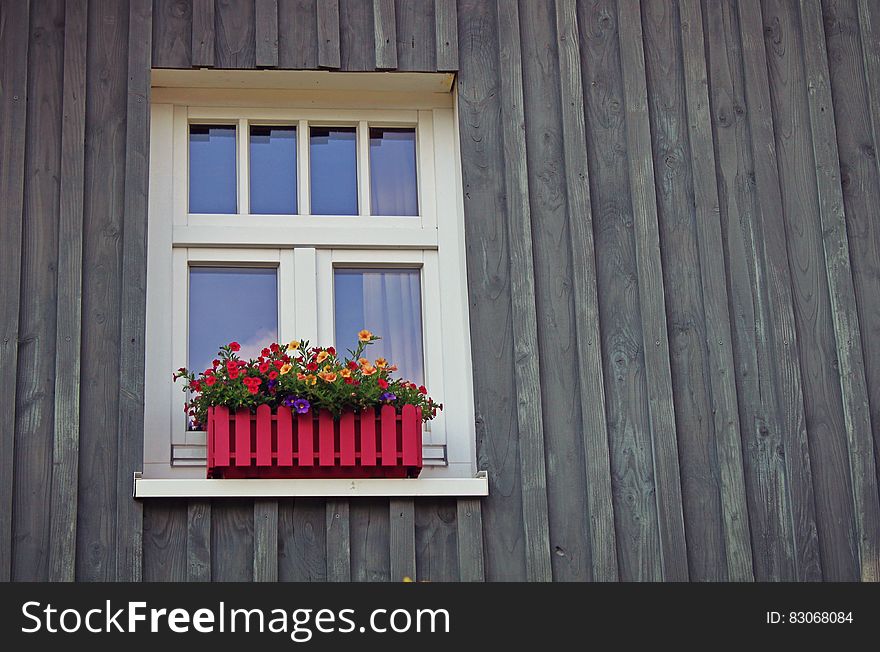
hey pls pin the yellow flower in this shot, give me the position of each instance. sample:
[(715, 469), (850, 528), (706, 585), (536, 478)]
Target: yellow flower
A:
[(323, 355), (286, 369), (293, 346), (381, 363), (311, 379), (345, 372), (327, 376), (368, 370), (365, 335)]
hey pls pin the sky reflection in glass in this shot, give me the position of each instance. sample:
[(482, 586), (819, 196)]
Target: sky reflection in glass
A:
[(212, 169), (333, 154), (387, 302), (231, 304), (273, 170), (393, 188)]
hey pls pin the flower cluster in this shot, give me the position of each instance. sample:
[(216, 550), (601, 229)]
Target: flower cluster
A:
[(302, 378)]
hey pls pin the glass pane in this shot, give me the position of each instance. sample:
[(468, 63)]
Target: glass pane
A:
[(212, 169), (333, 153), (230, 304), (387, 302), (393, 172), (273, 170)]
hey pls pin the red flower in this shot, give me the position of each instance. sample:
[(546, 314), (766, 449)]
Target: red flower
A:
[(312, 366), (253, 389), (210, 380), (331, 350), (233, 373), (352, 365), (278, 363), (230, 364), (382, 383), (286, 358), (273, 375), (274, 347), (215, 364), (265, 352), (264, 367), (234, 346), (208, 372), (196, 386), (349, 381), (423, 389)]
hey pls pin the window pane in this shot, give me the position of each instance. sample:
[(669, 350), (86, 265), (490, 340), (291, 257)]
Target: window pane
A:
[(393, 172), (230, 304), (333, 153), (387, 302), (273, 170), (212, 169)]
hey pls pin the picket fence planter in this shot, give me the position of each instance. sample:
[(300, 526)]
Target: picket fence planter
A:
[(283, 444)]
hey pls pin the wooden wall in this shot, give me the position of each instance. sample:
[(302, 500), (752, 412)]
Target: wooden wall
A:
[(674, 270)]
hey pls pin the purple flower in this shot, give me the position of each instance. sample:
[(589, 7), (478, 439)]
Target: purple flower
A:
[(272, 384), (287, 402), (388, 396), (301, 406)]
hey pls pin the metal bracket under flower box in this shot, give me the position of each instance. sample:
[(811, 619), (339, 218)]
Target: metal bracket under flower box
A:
[(283, 444)]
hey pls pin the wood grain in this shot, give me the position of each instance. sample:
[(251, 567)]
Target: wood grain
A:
[(338, 541), (198, 541), (416, 51), (14, 41), (370, 540), (266, 33), (327, 17), (265, 540), (34, 391), (203, 34), (529, 410), (402, 539), (603, 552), (446, 35), (297, 34), (232, 541), (357, 46), (235, 34), (173, 33), (165, 541), (469, 515), (436, 540), (65, 452), (302, 540)]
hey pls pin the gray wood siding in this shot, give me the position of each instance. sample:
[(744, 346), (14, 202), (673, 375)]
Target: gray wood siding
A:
[(673, 263)]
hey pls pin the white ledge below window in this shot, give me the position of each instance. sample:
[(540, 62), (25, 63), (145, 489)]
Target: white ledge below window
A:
[(311, 487)]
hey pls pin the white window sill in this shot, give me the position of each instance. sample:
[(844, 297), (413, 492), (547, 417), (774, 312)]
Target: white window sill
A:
[(312, 487)]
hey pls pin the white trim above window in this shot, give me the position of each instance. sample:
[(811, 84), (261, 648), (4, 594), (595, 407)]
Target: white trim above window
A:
[(305, 250)]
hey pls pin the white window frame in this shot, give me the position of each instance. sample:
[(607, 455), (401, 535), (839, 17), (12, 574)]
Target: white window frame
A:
[(307, 248)]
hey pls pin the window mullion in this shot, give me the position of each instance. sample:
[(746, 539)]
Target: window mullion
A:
[(303, 172), (243, 147), (306, 293), (288, 318), (363, 167)]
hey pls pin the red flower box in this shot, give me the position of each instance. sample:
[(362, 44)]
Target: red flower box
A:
[(284, 444)]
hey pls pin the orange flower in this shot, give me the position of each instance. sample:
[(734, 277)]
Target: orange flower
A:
[(311, 379), (365, 335), (323, 355), (363, 362), (392, 367), (285, 369), (301, 376), (345, 372), (381, 363), (293, 346), (368, 370), (327, 376)]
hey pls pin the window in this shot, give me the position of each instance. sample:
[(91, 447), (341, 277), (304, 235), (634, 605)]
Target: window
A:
[(270, 222)]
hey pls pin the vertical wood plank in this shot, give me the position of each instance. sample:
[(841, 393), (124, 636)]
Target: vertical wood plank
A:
[(568, 511), (370, 540), (402, 539), (266, 30), (297, 34), (868, 18), (728, 442), (265, 540), (221, 436), (436, 540), (33, 393), (357, 47), (264, 435), (65, 454), (305, 440), (173, 33), (415, 35), (783, 338), (302, 540), (346, 439), (847, 336), (368, 437), (603, 553), (203, 33), (198, 541), (14, 32), (385, 34), (651, 296), (446, 35), (328, 33), (326, 444), (242, 437), (338, 541), (235, 35), (164, 541), (285, 436), (522, 281), (389, 436), (232, 541), (132, 323), (469, 517), (488, 271)]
